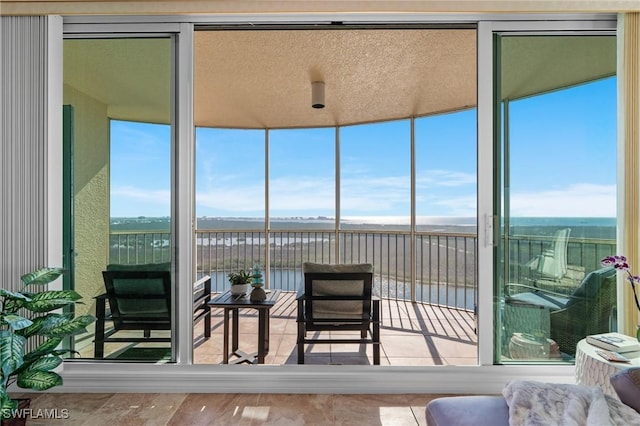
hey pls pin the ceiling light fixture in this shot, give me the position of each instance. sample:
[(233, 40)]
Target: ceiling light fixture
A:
[(317, 94)]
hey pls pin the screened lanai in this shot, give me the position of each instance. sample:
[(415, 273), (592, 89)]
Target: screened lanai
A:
[(260, 81)]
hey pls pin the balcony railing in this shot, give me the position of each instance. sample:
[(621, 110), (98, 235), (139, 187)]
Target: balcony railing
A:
[(445, 272), (584, 252), (136, 247)]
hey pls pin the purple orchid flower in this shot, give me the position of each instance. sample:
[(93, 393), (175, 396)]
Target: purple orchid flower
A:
[(620, 263)]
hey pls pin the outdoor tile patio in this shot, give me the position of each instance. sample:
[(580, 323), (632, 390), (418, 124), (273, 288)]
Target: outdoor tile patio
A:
[(411, 334)]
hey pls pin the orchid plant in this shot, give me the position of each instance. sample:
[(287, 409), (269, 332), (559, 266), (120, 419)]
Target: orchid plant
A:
[(620, 263)]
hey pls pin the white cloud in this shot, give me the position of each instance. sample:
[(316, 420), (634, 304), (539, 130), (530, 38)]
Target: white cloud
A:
[(236, 199), (444, 178), (360, 194), (462, 206), (302, 194), (130, 201), (577, 200), (385, 196)]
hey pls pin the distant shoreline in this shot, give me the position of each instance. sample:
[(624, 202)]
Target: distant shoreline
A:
[(581, 227)]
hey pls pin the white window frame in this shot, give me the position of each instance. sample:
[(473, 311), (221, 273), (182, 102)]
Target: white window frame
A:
[(86, 376)]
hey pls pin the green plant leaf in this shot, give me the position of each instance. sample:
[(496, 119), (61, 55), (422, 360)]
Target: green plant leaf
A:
[(16, 321), (11, 352), (41, 276), (50, 300), (73, 327), (49, 322), (38, 380), (240, 277), (32, 329), (62, 325), (12, 294), (44, 325), (46, 363), (48, 347), (7, 406), (14, 305)]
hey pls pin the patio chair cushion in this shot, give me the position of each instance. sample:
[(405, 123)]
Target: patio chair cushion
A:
[(552, 302), (591, 285), (331, 268), (626, 383), (337, 308), (338, 288), (338, 298)]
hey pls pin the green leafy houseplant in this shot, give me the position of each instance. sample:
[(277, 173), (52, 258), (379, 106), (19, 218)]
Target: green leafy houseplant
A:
[(240, 277), (239, 282), (33, 369)]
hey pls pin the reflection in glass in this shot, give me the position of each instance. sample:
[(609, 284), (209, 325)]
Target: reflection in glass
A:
[(558, 127), (119, 92)]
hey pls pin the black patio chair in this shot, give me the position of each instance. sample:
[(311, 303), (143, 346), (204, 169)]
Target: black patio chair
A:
[(139, 299), (338, 297)]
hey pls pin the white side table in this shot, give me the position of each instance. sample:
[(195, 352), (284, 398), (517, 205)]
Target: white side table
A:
[(593, 370)]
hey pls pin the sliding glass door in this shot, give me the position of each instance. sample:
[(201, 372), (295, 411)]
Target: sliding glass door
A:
[(555, 100), (120, 93)]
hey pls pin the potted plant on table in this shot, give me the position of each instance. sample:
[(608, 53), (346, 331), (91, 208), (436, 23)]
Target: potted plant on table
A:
[(30, 367), (239, 282)]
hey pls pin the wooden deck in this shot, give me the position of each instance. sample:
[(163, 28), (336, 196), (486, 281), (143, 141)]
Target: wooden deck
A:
[(411, 334)]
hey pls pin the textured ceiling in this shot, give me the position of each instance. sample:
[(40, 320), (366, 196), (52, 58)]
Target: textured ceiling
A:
[(262, 78), (533, 65), (131, 77)]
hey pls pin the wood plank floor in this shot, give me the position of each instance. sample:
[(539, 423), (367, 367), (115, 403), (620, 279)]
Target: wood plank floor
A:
[(411, 334), (107, 409)]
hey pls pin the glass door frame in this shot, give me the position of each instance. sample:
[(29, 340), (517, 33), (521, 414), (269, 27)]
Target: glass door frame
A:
[(479, 379), (182, 149), (184, 153), (489, 199)]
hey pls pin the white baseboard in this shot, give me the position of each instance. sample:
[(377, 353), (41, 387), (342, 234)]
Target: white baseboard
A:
[(170, 378)]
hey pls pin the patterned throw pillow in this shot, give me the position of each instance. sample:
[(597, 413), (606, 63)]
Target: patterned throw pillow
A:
[(627, 385)]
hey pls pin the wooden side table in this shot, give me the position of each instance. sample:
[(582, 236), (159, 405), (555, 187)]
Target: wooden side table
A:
[(231, 305), (593, 370)]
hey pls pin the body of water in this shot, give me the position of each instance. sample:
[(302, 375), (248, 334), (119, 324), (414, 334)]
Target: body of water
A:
[(588, 227), (289, 279)]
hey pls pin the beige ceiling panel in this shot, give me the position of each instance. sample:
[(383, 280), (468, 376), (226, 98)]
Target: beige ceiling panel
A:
[(262, 79), (131, 76), (538, 64)]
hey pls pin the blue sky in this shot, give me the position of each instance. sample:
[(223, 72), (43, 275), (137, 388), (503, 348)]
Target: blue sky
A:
[(562, 164)]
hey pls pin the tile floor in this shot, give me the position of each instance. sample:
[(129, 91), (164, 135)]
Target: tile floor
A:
[(138, 409), (411, 334)]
